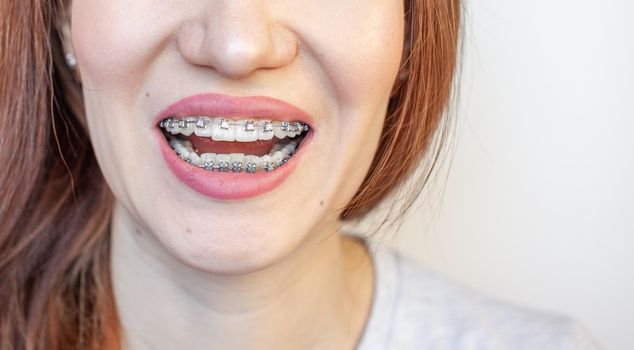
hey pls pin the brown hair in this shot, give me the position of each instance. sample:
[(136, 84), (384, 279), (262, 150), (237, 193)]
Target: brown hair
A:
[(55, 289), (416, 115)]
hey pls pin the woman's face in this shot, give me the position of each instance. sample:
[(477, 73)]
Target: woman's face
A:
[(333, 62)]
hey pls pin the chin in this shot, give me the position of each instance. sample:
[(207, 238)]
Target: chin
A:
[(231, 245)]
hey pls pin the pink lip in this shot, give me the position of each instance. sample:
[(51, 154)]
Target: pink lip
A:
[(231, 186)]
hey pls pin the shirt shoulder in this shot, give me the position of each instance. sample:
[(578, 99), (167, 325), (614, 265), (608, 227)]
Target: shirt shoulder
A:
[(415, 308)]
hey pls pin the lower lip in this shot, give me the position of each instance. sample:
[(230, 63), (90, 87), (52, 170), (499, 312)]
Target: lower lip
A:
[(229, 186)]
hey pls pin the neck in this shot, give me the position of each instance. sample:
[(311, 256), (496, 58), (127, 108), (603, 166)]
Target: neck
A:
[(317, 297)]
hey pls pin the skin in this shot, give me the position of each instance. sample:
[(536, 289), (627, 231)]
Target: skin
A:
[(191, 272)]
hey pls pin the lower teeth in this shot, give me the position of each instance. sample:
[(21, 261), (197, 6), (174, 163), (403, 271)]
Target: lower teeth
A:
[(235, 162)]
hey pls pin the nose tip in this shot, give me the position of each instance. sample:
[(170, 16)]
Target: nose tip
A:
[(236, 44)]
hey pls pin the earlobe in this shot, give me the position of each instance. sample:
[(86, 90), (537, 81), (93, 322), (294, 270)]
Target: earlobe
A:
[(63, 25), (71, 61)]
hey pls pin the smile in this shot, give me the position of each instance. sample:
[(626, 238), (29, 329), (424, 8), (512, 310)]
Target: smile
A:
[(233, 147), (220, 144)]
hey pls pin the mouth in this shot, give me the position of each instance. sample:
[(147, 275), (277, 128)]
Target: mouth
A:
[(228, 145), (233, 147)]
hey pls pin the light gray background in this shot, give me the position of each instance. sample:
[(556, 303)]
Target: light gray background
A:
[(539, 203)]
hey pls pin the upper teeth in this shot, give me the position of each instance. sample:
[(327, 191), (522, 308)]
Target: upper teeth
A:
[(222, 129)]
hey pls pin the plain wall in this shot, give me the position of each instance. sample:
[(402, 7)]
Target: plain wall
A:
[(539, 203)]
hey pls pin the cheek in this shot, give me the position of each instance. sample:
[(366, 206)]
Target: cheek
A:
[(369, 60), (359, 48), (115, 41), (358, 45)]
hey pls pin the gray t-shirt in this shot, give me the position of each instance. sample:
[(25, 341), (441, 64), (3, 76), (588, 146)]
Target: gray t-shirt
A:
[(414, 308)]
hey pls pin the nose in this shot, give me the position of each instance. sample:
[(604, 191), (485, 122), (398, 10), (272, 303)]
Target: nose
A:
[(237, 37)]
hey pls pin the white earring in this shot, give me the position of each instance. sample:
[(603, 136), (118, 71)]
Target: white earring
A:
[(71, 61)]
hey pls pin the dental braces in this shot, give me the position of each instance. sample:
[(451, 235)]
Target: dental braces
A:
[(249, 125), (237, 167)]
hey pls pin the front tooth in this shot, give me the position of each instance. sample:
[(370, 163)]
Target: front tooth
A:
[(237, 157), (208, 160), (246, 131), (224, 162), (251, 163), (223, 130), (237, 162), (204, 127)]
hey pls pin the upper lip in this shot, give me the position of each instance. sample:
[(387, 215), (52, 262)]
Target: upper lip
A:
[(214, 104)]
